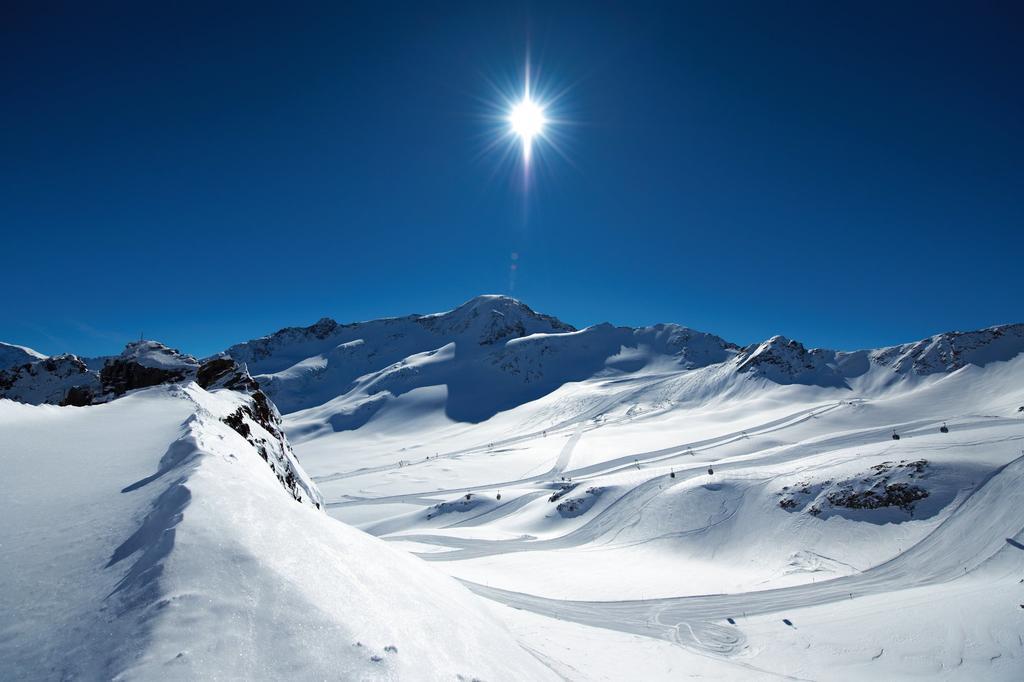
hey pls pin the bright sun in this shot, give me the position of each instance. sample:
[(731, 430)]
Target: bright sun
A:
[(527, 121)]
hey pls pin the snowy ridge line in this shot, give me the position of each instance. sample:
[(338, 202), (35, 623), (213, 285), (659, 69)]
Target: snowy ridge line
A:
[(206, 568)]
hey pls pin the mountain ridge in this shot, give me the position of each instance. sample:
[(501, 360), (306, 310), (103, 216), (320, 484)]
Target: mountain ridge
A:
[(492, 352)]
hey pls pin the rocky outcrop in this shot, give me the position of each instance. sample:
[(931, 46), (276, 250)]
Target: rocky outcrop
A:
[(223, 372), (889, 484), (951, 351), (144, 364), (59, 380), (785, 361)]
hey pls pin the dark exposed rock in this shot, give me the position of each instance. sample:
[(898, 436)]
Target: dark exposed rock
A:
[(785, 361), (224, 372), (48, 381), (563, 489), (900, 495), (120, 376), (144, 364), (951, 351), (277, 453), (874, 489), (78, 396), (575, 506)]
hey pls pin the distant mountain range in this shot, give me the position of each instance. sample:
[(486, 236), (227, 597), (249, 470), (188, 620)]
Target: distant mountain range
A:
[(492, 353)]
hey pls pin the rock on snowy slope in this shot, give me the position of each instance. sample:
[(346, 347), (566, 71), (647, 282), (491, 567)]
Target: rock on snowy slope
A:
[(166, 548), (60, 380), (951, 351), (784, 361), (143, 364), (12, 355), (788, 362), (68, 379)]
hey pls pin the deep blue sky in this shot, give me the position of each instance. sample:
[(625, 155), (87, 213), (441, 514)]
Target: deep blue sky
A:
[(848, 176)]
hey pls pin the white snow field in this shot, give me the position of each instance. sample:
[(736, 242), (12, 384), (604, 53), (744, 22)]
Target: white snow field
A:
[(146, 539), (819, 548), (608, 504)]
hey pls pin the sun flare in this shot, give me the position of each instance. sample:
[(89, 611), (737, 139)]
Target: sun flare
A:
[(527, 121)]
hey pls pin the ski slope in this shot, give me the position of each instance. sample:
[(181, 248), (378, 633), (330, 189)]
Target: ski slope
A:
[(652, 545), (599, 504)]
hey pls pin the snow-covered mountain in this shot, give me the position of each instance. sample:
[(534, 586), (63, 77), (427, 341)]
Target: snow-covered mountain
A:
[(749, 508), (167, 530), (493, 354), (646, 500)]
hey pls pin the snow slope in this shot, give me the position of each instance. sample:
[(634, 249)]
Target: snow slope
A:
[(492, 353), (630, 503), (658, 482), (12, 355), (148, 537)]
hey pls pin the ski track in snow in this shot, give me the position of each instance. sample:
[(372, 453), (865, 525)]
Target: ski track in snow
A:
[(979, 527)]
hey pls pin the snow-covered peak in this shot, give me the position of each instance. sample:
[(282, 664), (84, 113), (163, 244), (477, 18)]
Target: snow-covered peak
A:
[(156, 355), (144, 364), (786, 361), (490, 319), (691, 348), (12, 355), (481, 322)]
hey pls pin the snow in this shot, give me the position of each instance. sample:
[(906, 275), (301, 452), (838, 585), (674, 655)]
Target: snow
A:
[(47, 380), (630, 552), (617, 503), (12, 355), (145, 538), (156, 355)]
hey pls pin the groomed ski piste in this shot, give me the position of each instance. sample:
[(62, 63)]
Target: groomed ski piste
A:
[(712, 562), (607, 504)]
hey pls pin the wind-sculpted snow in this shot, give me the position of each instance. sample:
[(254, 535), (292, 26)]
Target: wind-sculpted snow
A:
[(12, 355), (164, 547)]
